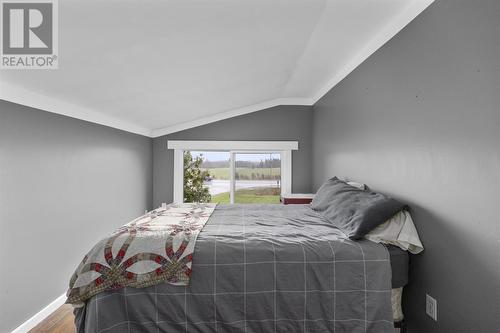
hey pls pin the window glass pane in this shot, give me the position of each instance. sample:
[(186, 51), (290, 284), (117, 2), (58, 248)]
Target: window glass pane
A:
[(206, 176), (257, 178)]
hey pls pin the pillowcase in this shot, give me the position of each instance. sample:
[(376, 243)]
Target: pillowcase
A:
[(354, 211), (357, 185), (399, 231)]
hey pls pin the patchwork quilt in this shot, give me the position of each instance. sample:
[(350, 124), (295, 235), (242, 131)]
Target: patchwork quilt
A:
[(154, 248)]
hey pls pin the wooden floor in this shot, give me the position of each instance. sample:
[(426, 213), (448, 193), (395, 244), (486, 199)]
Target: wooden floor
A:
[(61, 321)]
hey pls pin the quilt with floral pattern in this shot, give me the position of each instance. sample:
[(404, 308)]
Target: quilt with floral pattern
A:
[(154, 248)]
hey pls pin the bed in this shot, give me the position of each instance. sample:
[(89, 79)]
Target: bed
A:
[(257, 268), (262, 268)]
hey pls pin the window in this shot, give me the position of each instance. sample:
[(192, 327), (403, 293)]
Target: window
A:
[(214, 169), (257, 177), (232, 171)]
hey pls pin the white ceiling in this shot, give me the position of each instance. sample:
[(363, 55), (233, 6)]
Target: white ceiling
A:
[(158, 66)]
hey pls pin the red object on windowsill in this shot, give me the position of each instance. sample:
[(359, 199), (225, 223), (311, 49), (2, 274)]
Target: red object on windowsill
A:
[(297, 198)]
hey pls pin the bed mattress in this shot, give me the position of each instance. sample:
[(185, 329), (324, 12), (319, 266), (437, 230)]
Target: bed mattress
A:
[(399, 266)]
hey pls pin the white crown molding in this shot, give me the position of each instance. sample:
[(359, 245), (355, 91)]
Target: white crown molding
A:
[(229, 114), (391, 29), (44, 313), (20, 95)]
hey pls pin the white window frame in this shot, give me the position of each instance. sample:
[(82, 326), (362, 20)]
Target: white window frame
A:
[(284, 148)]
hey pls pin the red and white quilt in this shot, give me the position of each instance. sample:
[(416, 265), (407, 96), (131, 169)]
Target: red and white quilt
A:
[(154, 248)]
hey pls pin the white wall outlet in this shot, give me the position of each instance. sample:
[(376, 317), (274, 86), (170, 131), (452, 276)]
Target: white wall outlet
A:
[(431, 307)]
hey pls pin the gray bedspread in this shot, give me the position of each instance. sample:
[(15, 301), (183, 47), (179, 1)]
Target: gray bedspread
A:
[(260, 268)]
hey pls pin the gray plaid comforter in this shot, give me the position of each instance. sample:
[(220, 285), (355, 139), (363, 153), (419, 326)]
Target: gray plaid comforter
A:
[(260, 268)]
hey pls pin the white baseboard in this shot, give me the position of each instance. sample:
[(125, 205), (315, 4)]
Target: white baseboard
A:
[(44, 313)]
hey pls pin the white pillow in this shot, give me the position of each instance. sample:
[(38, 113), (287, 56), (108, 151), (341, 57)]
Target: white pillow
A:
[(357, 185), (398, 230)]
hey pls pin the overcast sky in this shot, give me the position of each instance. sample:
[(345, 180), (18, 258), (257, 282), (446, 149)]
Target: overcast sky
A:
[(224, 156)]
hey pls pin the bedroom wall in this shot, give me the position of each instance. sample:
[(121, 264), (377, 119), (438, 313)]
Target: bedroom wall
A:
[(420, 121), (63, 184), (278, 123)]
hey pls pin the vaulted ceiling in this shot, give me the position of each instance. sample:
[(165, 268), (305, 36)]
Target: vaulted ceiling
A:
[(158, 66)]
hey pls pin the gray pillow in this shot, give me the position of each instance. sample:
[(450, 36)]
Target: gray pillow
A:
[(354, 211)]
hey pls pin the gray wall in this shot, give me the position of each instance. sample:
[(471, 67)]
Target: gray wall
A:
[(63, 184), (419, 120), (278, 123)]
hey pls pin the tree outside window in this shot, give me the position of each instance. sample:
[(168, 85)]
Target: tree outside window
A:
[(194, 178)]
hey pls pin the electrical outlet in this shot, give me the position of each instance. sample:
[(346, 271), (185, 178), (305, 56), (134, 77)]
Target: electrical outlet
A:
[(431, 307)]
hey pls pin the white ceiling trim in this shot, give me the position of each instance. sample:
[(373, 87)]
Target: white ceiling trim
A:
[(229, 114), (399, 22), (12, 94)]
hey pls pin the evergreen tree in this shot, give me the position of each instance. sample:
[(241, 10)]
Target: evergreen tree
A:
[(194, 176)]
